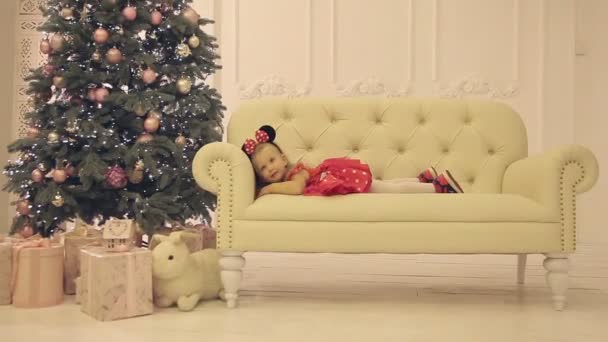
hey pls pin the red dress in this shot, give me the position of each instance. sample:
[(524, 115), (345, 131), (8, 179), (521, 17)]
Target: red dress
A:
[(336, 176)]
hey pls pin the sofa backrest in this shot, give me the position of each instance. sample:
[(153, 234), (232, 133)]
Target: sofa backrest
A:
[(398, 137)]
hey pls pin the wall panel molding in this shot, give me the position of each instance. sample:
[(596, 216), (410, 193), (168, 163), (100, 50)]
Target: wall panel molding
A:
[(371, 84), (273, 83), (476, 84)]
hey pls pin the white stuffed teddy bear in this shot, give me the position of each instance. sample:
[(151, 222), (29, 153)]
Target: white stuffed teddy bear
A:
[(182, 277)]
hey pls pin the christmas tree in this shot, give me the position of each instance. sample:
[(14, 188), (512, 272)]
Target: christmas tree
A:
[(119, 110)]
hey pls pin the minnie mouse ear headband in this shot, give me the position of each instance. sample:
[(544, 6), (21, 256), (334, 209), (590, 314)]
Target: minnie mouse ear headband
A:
[(263, 135)]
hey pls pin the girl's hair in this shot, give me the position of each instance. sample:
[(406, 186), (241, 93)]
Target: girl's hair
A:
[(272, 134)]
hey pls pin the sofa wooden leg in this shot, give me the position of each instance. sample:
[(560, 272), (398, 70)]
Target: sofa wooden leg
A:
[(231, 264), (521, 268), (557, 278)]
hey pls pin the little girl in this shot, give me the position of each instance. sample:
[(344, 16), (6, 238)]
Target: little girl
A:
[(333, 176)]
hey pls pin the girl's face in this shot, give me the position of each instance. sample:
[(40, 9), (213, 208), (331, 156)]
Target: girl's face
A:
[(269, 163)]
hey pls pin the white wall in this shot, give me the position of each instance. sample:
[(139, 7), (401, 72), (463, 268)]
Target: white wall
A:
[(520, 52), (591, 114)]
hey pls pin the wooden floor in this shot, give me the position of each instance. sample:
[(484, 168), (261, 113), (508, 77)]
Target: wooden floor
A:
[(378, 298), (325, 297)]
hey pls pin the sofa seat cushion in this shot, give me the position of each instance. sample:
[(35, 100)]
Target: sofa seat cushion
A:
[(400, 208)]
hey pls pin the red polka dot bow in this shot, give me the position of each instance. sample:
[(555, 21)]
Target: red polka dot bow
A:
[(250, 144)]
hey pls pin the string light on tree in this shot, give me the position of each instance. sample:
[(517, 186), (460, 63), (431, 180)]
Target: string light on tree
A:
[(103, 100)]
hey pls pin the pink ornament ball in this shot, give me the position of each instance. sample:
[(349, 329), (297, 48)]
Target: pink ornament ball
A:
[(101, 94), (156, 18), (130, 13)]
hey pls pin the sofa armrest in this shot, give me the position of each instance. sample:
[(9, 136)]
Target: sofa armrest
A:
[(225, 170), (553, 179)]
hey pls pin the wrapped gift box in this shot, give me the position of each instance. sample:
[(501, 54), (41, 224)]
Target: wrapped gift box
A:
[(115, 285), (81, 237), (6, 252), (197, 237), (37, 275)]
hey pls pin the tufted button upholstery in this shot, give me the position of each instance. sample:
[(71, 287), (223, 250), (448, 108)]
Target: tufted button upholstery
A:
[(435, 133)]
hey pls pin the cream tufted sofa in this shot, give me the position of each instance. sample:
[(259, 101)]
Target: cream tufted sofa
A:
[(513, 204)]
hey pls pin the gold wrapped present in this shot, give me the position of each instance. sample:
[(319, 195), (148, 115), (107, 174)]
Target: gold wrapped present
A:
[(114, 285), (82, 236)]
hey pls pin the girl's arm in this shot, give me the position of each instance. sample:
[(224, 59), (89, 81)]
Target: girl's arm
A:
[(293, 187)]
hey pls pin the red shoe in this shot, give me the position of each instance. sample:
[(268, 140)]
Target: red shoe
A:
[(428, 175), (445, 183)]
